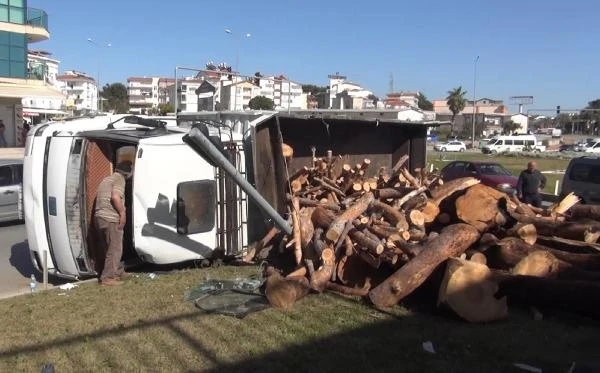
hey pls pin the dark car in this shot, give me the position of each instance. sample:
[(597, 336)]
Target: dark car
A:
[(490, 174)]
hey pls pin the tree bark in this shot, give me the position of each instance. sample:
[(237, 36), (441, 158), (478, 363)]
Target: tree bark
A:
[(320, 277), (572, 296), (354, 211), (296, 231), (452, 241), (585, 212), (479, 207), (394, 216), (445, 190)]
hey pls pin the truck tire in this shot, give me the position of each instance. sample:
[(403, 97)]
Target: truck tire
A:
[(462, 150), (444, 149), (494, 152)]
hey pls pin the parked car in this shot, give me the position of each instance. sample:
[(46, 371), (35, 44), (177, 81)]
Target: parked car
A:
[(11, 201), (490, 173), (568, 148), (593, 147), (582, 177), (451, 146)]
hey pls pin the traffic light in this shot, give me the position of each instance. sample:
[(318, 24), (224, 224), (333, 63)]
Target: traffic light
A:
[(558, 110)]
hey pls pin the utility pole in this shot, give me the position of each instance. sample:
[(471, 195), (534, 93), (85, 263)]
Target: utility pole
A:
[(474, 102), (98, 98), (237, 62)]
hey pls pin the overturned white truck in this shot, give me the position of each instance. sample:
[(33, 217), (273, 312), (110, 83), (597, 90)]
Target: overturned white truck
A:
[(204, 185)]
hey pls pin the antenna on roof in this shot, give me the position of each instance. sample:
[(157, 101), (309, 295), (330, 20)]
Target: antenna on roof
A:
[(391, 82)]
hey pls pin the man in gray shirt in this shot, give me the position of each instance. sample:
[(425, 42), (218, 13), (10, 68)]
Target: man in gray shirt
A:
[(531, 183)]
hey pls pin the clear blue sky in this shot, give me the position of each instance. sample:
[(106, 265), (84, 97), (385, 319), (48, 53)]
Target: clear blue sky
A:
[(548, 49)]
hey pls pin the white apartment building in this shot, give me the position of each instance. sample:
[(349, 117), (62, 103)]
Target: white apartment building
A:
[(339, 84), (237, 96), (147, 92), (185, 94), (41, 66), (80, 90), (285, 93)]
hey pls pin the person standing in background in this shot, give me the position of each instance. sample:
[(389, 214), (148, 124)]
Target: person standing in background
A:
[(3, 143), (531, 183)]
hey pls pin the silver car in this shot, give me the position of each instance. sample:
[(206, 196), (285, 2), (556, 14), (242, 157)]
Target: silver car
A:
[(11, 200)]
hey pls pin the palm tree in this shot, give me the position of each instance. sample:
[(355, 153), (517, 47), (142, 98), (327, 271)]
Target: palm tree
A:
[(456, 102)]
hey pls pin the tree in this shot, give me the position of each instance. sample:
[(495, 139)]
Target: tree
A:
[(261, 103), (509, 127), (313, 89), (456, 102), (164, 109), (373, 98), (424, 103), (115, 98)]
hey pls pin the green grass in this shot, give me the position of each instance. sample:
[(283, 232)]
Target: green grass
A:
[(513, 163), (146, 326)]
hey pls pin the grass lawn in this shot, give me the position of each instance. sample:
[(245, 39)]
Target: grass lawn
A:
[(146, 326), (514, 164)]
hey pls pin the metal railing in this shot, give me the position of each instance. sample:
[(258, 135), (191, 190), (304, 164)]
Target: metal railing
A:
[(37, 18)]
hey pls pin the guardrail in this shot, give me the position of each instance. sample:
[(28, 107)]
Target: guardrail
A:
[(37, 17)]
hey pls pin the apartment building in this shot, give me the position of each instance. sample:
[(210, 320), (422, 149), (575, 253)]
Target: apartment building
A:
[(147, 92), (20, 26), (80, 90), (492, 111), (402, 100), (42, 66), (185, 94)]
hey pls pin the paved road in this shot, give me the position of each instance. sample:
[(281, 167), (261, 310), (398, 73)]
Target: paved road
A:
[(15, 264)]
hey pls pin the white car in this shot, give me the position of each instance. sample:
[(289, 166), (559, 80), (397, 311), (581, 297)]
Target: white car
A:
[(451, 146), (592, 147)]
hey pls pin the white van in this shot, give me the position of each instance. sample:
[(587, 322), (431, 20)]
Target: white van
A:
[(518, 143)]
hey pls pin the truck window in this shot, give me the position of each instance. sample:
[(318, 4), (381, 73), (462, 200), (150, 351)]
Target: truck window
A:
[(519, 142), (508, 142), (585, 173), (6, 176), (196, 206)]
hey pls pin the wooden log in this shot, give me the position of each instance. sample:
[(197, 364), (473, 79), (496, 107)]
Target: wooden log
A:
[(526, 232), (479, 206), (381, 231), (581, 297), (415, 203), (340, 242), (366, 186), (409, 177), (416, 218), (264, 242), (318, 243), (430, 211), (417, 234), (288, 151), (398, 165), (445, 190), (585, 212), (452, 241), (284, 292), (307, 228), (345, 290), (329, 187), (401, 201), (478, 257), (298, 272), (394, 216), (354, 211), (320, 277), (373, 246), (306, 202), (538, 263), (572, 246), (508, 251), (469, 290), (298, 173), (348, 246), (297, 235), (586, 230), (388, 193)]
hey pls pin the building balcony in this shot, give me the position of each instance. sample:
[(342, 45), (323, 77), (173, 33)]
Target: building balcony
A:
[(31, 22)]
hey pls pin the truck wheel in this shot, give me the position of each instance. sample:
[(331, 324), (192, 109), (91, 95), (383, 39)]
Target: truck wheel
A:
[(494, 152), (217, 263), (462, 150), (443, 149)]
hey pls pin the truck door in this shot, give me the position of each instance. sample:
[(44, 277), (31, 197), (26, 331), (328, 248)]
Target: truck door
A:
[(56, 211), (10, 186)]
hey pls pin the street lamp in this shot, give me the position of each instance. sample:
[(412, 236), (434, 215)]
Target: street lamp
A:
[(237, 60), (474, 103), (98, 100)]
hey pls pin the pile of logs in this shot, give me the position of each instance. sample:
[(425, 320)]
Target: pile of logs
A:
[(380, 234)]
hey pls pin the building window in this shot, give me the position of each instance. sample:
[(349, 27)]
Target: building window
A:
[(13, 50)]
